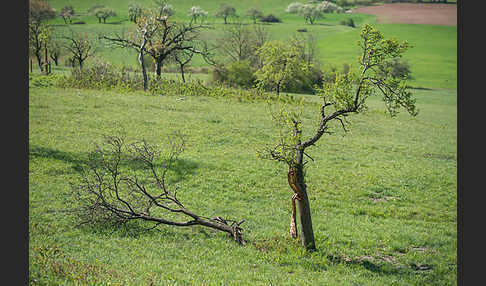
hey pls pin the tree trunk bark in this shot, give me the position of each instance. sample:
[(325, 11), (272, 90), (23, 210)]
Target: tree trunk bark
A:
[(46, 58), (144, 71), (158, 69), (182, 73), (306, 231), (39, 61)]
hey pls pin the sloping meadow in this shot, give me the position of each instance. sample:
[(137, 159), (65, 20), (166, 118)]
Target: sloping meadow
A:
[(383, 195)]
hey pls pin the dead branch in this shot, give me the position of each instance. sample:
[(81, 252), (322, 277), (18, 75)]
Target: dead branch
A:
[(113, 189)]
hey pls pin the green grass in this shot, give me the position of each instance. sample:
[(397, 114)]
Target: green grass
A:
[(383, 196)]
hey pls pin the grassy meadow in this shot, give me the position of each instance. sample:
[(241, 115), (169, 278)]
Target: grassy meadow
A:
[(382, 196)]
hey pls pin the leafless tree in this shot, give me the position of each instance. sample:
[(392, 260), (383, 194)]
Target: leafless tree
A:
[(226, 11), (110, 192), (146, 26), (159, 37), (80, 47), (174, 37), (39, 12), (182, 58), (55, 51), (240, 42), (254, 13)]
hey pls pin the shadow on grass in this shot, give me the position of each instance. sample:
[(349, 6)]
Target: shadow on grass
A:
[(141, 229), (179, 169), (49, 153), (371, 264), (116, 23)]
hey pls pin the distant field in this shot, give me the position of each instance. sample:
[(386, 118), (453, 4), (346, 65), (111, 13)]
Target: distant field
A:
[(433, 59), (407, 13)]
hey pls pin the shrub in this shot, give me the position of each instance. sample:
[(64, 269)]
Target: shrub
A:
[(398, 68), (270, 19), (240, 74), (103, 75), (235, 74), (348, 22), (220, 74), (41, 80), (306, 81)]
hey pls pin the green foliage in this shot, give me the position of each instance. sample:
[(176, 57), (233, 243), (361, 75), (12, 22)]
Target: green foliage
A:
[(237, 74), (280, 63), (41, 80), (164, 8), (102, 12), (254, 13), (40, 10), (67, 13), (398, 68), (378, 52), (103, 75), (134, 11), (348, 22), (196, 12), (225, 11), (240, 74)]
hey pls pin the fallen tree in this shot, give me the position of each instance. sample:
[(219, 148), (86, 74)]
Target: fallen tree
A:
[(123, 182)]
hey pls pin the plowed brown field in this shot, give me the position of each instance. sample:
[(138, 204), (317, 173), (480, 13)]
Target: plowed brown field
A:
[(407, 13)]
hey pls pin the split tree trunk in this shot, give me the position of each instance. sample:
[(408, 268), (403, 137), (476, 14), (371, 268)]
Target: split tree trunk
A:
[(303, 206)]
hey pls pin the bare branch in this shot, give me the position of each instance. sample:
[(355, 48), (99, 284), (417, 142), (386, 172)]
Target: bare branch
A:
[(107, 192)]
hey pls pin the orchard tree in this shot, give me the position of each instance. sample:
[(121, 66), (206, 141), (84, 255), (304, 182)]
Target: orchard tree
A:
[(196, 13), (40, 11), (39, 31), (55, 51), (103, 13), (280, 64), (164, 8), (236, 42), (172, 37), (345, 96), (67, 13), (147, 25), (225, 11), (182, 58), (79, 46), (254, 13), (160, 38), (310, 13), (134, 11)]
